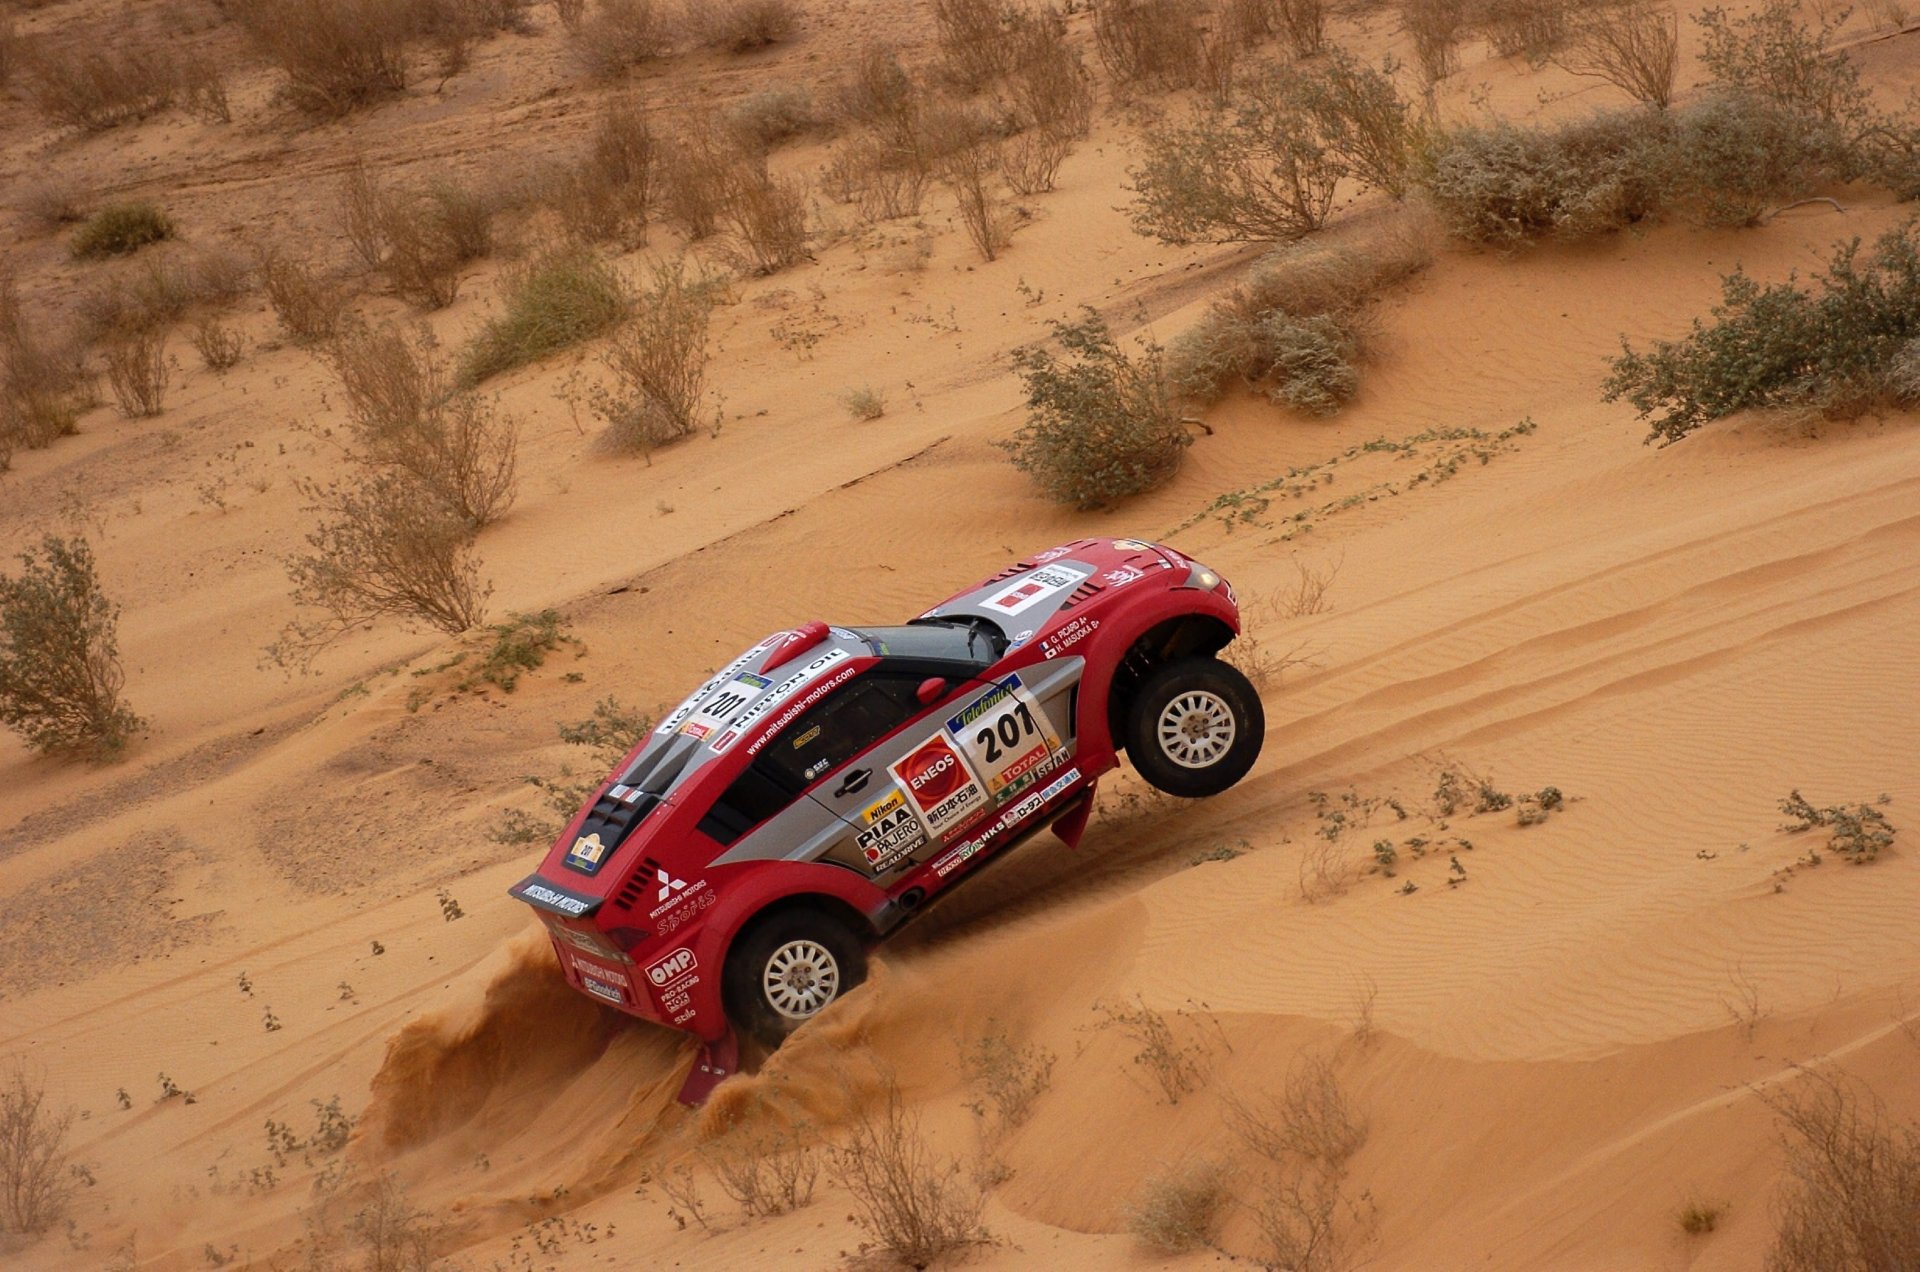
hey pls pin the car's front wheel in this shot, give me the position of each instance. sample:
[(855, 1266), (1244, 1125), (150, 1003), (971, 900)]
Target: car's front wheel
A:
[(1194, 727), (785, 970)]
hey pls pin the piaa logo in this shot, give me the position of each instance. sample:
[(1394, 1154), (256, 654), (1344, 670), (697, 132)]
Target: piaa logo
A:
[(671, 967), (934, 772)]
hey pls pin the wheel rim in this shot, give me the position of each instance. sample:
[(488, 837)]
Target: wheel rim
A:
[(1197, 729), (801, 978)]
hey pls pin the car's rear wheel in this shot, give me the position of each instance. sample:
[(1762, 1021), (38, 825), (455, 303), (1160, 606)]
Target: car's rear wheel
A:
[(1194, 727), (787, 969)]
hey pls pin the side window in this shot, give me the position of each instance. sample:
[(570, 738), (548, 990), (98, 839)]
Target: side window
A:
[(840, 728)]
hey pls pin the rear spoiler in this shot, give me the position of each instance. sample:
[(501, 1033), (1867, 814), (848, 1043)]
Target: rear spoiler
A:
[(551, 897)]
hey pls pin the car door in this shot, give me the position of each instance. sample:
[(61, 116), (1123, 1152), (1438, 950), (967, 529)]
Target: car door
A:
[(928, 785)]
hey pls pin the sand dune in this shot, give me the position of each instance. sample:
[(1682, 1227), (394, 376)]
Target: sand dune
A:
[(1557, 1035)]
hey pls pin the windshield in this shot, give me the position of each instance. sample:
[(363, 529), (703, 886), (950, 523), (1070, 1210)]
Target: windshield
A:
[(975, 641)]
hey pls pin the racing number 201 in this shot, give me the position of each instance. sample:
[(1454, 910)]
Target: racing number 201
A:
[(1006, 733)]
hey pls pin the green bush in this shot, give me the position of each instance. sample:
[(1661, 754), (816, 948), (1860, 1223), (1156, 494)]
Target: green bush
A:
[(1837, 346), (1503, 184), (1265, 165), (1298, 322), (659, 364), (554, 302), (120, 228), (1735, 154), (60, 675), (1101, 427)]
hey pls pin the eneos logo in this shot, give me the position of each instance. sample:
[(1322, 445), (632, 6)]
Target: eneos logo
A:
[(672, 966), (933, 772)]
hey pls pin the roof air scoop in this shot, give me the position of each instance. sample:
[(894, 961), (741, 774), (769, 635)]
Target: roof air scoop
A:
[(798, 641)]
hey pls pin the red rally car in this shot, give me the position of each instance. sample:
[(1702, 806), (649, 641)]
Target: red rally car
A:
[(822, 788)]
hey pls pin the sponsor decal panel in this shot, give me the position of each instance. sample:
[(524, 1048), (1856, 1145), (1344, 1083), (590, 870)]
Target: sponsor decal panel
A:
[(685, 709), (892, 833), (1132, 545), (939, 784), (772, 698), (1031, 778), (1003, 734), (673, 977), (1124, 575), (1033, 587), (587, 853), (1007, 821), (700, 901), (600, 989), (678, 902), (554, 899), (600, 981), (579, 940)]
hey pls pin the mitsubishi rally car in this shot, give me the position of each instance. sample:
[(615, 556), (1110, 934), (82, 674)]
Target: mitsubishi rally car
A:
[(822, 788)]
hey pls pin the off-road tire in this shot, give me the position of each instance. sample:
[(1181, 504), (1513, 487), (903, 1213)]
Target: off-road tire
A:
[(1194, 727), (786, 969)]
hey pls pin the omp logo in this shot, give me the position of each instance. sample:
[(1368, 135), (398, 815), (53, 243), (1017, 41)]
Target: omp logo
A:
[(671, 967), (670, 886)]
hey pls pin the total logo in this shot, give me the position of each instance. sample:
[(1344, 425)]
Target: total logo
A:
[(671, 967)]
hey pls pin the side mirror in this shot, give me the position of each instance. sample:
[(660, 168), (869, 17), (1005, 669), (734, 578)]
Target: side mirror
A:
[(931, 691)]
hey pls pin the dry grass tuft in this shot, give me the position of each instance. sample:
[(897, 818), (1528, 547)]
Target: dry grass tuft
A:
[(138, 372), (93, 83), (336, 55), (620, 35), (1179, 1209), (916, 1205), (607, 194), (34, 1182), (310, 305), (1150, 43), (742, 26), (43, 382), (417, 239), (1633, 46), (1852, 1195)]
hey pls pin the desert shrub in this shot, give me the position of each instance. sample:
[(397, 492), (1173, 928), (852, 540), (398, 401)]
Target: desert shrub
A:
[(767, 216), (659, 363), (1832, 347), (622, 34), (137, 372), (1434, 28), (43, 382), (915, 1205), (120, 228), (1047, 81), (553, 302), (52, 202), (1303, 23), (166, 287), (1100, 427), (1634, 46), (34, 1180), (880, 181), (877, 91), (60, 675), (218, 345), (1734, 154), (1506, 185), (201, 89), (701, 164), (384, 548), (310, 305), (417, 239), (9, 47), (94, 83), (336, 55), (973, 44), (1770, 53), (406, 415), (741, 26), (1156, 43), (968, 159), (1858, 832), (1031, 160), (1851, 1198), (767, 118), (455, 27), (1312, 361), (1267, 165), (1006, 1078), (1533, 29), (765, 1171), (1179, 1209), (1305, 1137), (864, 403), (607, 193)]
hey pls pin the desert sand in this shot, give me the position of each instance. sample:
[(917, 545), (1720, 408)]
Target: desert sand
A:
[(1557, 1037)]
